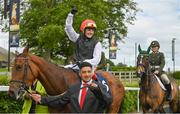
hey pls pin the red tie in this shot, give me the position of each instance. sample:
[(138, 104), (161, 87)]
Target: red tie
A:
[(83, 94)]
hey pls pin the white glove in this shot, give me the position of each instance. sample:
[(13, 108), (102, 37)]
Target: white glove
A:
[(156, 72)]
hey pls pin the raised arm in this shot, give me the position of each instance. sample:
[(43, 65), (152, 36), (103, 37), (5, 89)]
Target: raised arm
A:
[(72, 35)]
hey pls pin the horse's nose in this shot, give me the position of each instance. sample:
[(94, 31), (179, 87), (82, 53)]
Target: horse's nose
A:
[(139, 74), (11, 95)]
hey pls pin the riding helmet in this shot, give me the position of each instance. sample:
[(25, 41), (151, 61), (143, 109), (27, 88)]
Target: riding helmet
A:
[(155, 44), (88, 23)]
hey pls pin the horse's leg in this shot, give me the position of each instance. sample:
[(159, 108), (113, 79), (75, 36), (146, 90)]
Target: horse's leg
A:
[(114, 108), (174, 106), (118, 95), (161, 109), (174, 103), (154, 107), (144, 109)]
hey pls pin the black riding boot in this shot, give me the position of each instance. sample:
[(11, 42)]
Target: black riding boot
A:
[(168, 92)]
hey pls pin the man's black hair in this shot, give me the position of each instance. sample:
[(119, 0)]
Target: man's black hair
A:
[(85, 64)]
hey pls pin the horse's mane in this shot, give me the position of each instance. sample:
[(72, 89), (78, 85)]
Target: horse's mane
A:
[(47, 63), (39, 61)]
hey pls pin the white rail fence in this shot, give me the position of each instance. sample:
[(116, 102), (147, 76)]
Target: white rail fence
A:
[(5, 73), (125, 75), (4, 88)]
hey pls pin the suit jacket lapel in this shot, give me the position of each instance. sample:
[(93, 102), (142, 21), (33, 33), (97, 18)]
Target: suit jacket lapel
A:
[(76, 96)]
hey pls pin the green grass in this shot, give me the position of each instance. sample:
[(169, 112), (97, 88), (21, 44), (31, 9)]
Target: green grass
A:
[(178, 81), (3, 70), (4, 80), (135, 83)]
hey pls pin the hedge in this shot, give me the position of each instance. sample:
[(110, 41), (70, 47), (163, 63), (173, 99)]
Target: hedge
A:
[(130, 102), (120, 68), (8, 105), (176, 75)]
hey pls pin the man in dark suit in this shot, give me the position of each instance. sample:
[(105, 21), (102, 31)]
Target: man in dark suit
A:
[(96, 98)]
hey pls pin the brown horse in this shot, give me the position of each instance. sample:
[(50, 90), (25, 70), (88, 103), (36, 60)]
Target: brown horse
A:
[(152, 96), (27, 67)]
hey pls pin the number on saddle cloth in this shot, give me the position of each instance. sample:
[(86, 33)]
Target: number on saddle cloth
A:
[(102, 80)]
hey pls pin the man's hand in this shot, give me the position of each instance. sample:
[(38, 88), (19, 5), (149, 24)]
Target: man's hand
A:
[(94, 85), (36, 97), (96, 90), (74, 10)]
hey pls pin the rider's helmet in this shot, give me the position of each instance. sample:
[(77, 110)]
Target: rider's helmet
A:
[(155, 44), (88, 23)]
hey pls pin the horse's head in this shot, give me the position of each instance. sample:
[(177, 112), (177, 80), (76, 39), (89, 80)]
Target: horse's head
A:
[(142, 61), (22, 75)]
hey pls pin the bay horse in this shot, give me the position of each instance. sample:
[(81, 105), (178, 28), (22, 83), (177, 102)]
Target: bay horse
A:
[(56, 80), (152, 95)]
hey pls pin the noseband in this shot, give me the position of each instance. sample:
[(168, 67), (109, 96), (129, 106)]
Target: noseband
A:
[(144, 71)]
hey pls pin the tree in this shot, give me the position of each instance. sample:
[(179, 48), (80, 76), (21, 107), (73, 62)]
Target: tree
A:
[(42, 25)]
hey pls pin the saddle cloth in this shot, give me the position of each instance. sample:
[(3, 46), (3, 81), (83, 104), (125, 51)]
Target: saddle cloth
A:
[(102, 80)]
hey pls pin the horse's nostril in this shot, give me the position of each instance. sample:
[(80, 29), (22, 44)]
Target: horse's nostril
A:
[(11, 94)]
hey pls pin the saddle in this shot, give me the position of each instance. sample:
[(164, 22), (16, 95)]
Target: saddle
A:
[(161, 83)]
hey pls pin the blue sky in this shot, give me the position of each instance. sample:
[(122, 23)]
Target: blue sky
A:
[(159, 20)]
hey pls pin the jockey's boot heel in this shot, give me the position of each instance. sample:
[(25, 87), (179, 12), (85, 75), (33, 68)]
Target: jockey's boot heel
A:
[(168, 94)]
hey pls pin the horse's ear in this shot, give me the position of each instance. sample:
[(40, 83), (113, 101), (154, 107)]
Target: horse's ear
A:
[(26, 50), (139, 48), (149, 49)]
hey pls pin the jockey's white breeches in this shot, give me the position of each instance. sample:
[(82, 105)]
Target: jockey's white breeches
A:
[(165, 78)]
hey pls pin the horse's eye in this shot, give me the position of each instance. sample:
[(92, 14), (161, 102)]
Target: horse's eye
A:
[(18, 67)]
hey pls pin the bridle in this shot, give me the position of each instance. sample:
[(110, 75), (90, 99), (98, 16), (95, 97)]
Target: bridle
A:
[(147, 73), (26, 66), (140, 65)]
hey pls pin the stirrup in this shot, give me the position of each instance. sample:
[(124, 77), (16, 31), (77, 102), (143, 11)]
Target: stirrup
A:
[(168, 97)]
